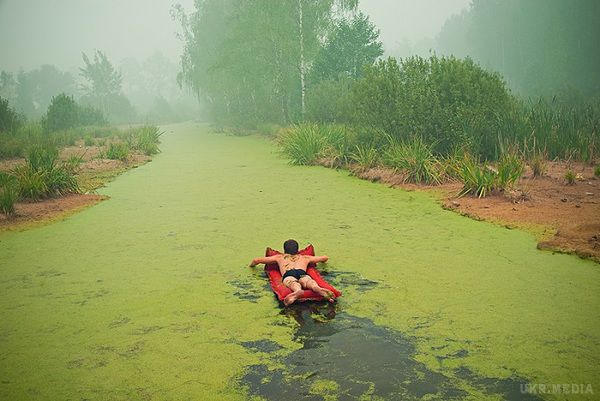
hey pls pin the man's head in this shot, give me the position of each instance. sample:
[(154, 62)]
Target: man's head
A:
[(290, 247)]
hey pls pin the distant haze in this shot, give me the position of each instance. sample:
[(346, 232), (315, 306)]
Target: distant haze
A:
[(411, 21), (36, 32)]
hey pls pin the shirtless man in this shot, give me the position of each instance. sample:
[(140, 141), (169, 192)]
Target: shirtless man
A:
[(293, 271)]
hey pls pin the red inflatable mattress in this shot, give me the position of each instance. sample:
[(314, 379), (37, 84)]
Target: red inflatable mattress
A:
[(272, 270)]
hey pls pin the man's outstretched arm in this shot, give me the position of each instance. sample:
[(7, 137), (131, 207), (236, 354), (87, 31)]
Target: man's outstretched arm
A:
[(265, 260), (318, 259)]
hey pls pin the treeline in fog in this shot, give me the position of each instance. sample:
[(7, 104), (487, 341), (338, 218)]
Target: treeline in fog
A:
[(256, 61), (541, 47), (261, 62), (134, 91)]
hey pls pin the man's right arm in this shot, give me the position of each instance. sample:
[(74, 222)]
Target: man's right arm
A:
[(265, 260)]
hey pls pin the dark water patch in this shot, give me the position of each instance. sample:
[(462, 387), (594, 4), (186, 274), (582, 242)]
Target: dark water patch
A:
[(261, 345), (510, 389), (188, 247), (118, 322), (361, 358), (249, 290), (50, 273), (350, 279), (91, 295), (131, 350), (187, 327), (353, 358), (140, 331), (462, 353)]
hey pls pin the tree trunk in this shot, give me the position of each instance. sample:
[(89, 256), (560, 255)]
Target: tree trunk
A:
[(302, 65)]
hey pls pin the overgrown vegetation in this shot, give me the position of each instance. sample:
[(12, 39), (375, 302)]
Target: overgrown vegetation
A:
[(9, 193), (312, 66), (145, 139), (64, 113), (116, 151), (414, 159), (44, 175)]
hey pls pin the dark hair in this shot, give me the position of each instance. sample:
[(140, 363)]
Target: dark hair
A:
[(290, 246)]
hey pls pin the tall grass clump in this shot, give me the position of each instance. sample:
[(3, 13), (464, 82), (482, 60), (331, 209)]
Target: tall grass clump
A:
[(478, 179), (42, 176), (337, 144), (510, 169), (365, 157), (116, 151), (563, 128), (9, 193), (145, 139), (570, 177), (302, 143), (415, 159)]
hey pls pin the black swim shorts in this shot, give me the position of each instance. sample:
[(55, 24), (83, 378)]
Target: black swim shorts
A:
[(296, 273)]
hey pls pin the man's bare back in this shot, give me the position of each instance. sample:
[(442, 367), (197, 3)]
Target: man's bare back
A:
[(297, 262)]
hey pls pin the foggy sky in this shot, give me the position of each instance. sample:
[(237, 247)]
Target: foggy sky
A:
[(36, 32), (410, 20)]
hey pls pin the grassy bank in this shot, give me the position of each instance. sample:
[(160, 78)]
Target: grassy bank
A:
[(57, 165)]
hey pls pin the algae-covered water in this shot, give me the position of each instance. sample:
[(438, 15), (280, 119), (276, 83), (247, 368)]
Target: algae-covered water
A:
[(148, 296)]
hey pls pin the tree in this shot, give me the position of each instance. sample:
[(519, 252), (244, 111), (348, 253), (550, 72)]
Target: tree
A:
[(353, 44), (103, 81), (34, 89), (10, 120), (249, 59), (102, 88), (541, 46), (64, 113)]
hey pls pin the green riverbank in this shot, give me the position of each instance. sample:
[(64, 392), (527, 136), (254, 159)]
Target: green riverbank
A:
[(147, 296)]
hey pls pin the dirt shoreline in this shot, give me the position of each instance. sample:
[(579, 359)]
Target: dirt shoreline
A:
[(563, 218), (93, 173)]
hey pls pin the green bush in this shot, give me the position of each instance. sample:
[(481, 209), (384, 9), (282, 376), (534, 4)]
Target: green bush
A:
[(146, 139), (446, 101), (64, 113), (8, 193), (561, 128), (481, 179), (330, 101), (477, 179), (116, 151), (365, 157), (42, 177), (510, 169), (302, 143), (570, 177), (10, 120), (31, 184), (415, 159), (42, 157), (10, 146), (597, 171)]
